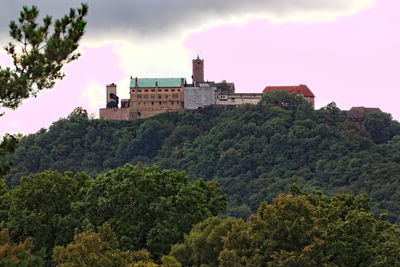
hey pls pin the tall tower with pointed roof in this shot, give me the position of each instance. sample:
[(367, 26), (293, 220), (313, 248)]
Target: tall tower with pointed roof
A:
[(198, 70)]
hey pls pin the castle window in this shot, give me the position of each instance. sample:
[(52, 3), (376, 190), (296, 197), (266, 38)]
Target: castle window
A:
[(153, 96), (152, 103), (139, 96), (153, 90), (159, 102), (179, 90), (133, 90), (166, 90), (172, 102), (159, 90), (172, 90), (139, 90), (146, 96), (146, 90), (166, 96), (159, 96)]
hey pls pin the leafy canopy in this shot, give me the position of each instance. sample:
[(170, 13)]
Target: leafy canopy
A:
[(39, 53), (254, 151), (12, 254), (297, 229), (42, 207), (148, 208), (98, 249)]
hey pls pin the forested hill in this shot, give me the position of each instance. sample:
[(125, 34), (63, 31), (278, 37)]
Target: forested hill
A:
[(254, 151)]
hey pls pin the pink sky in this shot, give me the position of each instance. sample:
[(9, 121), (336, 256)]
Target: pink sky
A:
[(352, 60), (96, 65)]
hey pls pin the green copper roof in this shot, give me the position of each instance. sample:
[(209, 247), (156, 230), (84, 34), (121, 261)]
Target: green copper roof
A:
[(198, 58), (161, 82)]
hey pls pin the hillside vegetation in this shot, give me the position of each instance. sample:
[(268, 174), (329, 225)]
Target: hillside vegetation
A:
[(254, 151), (146, 208)]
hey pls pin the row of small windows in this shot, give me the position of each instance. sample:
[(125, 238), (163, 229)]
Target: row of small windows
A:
[(153, 90), (159, 103), (158, 96)]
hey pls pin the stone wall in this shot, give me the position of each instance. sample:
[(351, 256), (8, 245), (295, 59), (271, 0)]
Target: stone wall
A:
[(199, 97), (116, 114), (150, 101), (239, 99)]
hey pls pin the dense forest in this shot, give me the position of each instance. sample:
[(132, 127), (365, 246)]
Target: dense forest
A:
[(146, 208), (90, 192), (254, 151), (136, 216), (255, 185)]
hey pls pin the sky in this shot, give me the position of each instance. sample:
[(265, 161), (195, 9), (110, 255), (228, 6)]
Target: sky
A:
[(345, 51)]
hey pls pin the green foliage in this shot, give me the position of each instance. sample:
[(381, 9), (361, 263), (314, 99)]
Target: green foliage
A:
[(37, 61), (204, 243), (148, 208), (301, 230), (12, 254), (41, 207), (380, 126), (286, 233), (7, 146), (4, 203), (254, 151), (224, 87), (112, 104), (98, 249), (41, 55)]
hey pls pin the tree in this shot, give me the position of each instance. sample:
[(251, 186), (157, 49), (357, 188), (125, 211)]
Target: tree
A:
[(332, 114), (297, 229), (12, 254), (380, 126), (42, 207), (285, 100), (41, 54), (37, 60), (112, 104), (354, 237), (255, 152), (204, 243), (7, 146), (4, 203), (98, 249), (224, 87), (150, 209), (285, 233)]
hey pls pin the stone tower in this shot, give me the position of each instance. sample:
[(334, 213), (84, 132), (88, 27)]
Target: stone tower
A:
[(111, 93), (198, 70)]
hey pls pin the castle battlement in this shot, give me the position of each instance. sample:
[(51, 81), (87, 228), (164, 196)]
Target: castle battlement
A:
[(152, 96)]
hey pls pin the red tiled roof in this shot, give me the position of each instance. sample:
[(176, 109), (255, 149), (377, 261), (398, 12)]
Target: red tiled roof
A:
[(298, 90)]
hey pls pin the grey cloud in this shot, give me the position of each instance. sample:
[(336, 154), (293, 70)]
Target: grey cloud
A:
[(155, 17)]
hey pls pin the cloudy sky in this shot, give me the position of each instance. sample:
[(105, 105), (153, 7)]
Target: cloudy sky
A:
[(346, 51)]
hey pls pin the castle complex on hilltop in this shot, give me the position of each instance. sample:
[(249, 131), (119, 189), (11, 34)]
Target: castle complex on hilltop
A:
[(152, 96)]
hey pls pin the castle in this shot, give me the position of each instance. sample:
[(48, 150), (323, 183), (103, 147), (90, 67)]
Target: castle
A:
[(152, 96)]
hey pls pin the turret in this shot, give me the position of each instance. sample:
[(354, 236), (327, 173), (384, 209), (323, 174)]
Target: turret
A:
[(198, 70), (111, 96)]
